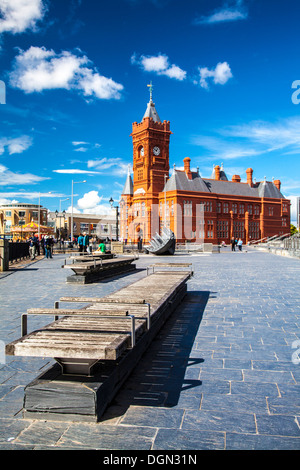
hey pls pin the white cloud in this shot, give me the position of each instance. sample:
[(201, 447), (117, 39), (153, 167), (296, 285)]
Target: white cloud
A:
[(233, 12), (82, 146), (116, 165), (159, 64), (219, 75), (89, 200), (90, 204), (223, 149), (19, 15), (103, 163), (74, 171), (81, 149), (29, 195), (39, 69), (8, 177), (281, 135), (15, 145), (80, 143), (75, 210)]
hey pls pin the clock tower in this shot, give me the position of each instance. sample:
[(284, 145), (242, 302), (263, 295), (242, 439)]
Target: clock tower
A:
[(151, 139)]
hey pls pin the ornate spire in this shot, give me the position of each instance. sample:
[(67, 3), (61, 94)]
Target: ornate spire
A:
[(150, 89), (151, 111)]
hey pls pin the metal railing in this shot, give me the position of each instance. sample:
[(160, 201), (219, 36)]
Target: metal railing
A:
[(18, 250)]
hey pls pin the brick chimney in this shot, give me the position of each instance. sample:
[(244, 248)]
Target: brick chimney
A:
[(236, 179), (249, 173), (217, 172), (277, 184), (187, 169)]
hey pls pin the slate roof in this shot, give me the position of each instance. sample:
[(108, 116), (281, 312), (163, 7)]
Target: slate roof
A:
[(151, 112), (180, 182), (128, 188)]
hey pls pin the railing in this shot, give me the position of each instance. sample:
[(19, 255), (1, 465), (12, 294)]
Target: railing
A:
[(292, 243), (18, 250)]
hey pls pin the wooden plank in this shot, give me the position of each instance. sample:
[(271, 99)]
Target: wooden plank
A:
[(76, 312), (82, 327), (46, 397)]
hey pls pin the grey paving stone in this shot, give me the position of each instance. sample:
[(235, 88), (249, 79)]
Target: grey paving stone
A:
[(153, 417), (11, 428), (185, 440), (279, 425), (235, 441), (107, 437), (218, 421), (235, 403), (39, 434)]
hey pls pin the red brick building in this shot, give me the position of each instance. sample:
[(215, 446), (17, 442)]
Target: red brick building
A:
[(196, 209)]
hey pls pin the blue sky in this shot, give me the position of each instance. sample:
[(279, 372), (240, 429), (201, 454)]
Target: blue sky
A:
[(226, 74)]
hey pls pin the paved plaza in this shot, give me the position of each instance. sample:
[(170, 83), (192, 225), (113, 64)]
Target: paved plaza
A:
[(221, 374)]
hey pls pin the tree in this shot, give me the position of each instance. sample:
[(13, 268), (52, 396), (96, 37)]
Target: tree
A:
[(293, 229)]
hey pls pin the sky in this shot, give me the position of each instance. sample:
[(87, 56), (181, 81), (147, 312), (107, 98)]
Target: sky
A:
[(74, 76)]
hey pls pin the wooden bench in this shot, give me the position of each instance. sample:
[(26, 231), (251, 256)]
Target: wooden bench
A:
[(95, 346), (89, 257), (170, 265), (97, 269)]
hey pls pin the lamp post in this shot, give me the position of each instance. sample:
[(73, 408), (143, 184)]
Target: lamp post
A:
[(39, 213), (111, 201), (62, 200), (60, 216), (72, 197), (21, 223)]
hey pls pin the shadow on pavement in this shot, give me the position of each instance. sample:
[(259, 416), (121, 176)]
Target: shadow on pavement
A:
[(167, 368)]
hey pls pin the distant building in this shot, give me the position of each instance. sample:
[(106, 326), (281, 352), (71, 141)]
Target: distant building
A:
[(12, 215), (196, 209), (102, 226)]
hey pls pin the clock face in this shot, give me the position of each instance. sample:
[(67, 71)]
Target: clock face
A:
[(142, 152), (156, 150)]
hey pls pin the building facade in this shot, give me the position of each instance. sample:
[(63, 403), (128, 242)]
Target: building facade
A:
[(196, 209), (14, 215), (100, 226)]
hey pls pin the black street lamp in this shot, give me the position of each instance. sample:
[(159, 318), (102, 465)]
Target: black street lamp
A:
[(58, 216), (111, 201)]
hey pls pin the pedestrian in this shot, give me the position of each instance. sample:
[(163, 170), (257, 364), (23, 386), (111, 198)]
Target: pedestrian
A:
[(140, 244), (32, 248), (48, 247), (43, 244), (232, 242), (37, 244), (86, 241), (240, 244), (80, 243)]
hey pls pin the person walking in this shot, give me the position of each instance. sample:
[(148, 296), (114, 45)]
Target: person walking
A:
[(48, 247), (86, 241), (232, 242), (240, 244), (80, 243), (32, 248)]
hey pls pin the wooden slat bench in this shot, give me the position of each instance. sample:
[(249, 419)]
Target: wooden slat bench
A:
[(89, 257), (95, 346), (170, 265), (97, 269)]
